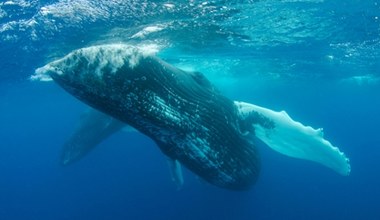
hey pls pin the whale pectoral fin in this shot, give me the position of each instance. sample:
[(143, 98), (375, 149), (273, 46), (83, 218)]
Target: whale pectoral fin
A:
[(286, 136), (176, 172), (92, 129)]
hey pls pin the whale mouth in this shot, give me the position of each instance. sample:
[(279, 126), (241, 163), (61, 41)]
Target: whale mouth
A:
[(42, 74)]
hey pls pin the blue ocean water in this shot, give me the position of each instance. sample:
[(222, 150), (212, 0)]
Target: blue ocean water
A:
[(317, 59)]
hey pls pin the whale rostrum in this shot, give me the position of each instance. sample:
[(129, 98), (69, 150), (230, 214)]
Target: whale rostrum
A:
[(187, 117)]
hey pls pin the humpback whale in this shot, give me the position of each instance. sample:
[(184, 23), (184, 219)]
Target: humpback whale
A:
[(187, 117)]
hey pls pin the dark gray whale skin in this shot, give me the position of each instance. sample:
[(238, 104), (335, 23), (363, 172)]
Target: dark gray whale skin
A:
[(182, 112)]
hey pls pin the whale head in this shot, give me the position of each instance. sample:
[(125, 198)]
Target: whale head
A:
[(91, 67)]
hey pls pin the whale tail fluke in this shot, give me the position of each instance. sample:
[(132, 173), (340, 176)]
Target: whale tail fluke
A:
[(291, 138)]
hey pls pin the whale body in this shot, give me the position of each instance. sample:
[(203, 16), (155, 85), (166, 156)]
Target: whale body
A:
[(182, 112), (186, 116)]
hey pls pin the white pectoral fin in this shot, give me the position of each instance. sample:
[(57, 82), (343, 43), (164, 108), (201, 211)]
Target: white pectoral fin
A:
[(293, 139), (176, 172)]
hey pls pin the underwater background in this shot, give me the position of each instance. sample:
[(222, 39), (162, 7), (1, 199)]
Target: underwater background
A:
[(317, 59)]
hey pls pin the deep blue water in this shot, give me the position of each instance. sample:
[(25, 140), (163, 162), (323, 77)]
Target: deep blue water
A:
[(317, 59)]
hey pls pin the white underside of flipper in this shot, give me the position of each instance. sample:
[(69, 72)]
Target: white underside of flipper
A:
[(176, 172), (293, 139)]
